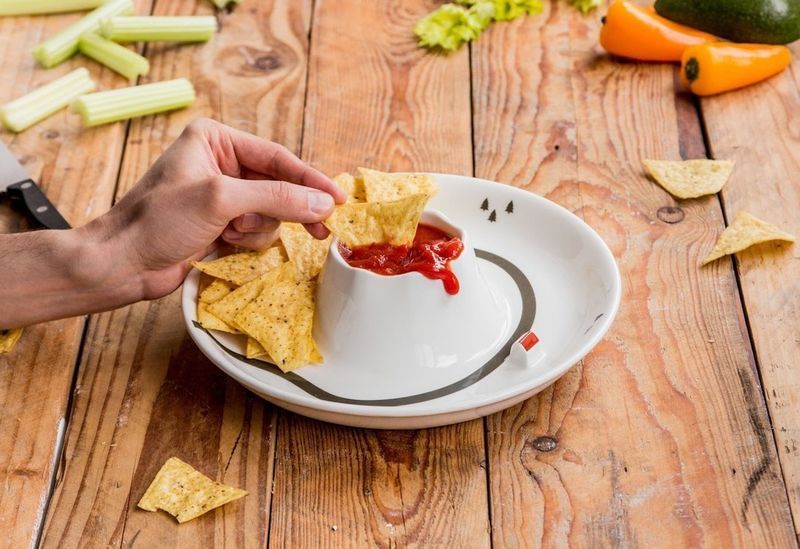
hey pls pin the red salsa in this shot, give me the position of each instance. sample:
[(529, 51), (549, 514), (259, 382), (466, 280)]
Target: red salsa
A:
[(430, 255)]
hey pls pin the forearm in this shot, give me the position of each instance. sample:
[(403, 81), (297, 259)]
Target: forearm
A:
[(46, 275)]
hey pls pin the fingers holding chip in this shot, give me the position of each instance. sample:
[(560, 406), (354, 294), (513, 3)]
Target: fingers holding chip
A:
[(268, 296)]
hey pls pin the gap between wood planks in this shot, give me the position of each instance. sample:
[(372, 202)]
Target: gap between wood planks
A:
[(61, 439), (486, 465), (762, 440), (748, 391), (63, 426)]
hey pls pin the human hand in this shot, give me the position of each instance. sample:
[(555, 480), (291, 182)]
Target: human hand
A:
[(213, 181)]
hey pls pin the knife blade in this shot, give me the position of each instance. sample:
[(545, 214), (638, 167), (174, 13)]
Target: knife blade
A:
[(25, 194)]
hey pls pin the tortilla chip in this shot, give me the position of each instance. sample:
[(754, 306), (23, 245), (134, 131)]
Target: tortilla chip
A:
[(255, 350), (213, 292), (352, 186), (393, 222), (690, 178), (9, 338), (242, 267), (315, 355), (185, 493), (210, 321), (385, 187), (229, 306), (305, 252), (745, 231), (281, 319), (203, 282), (216, 290)]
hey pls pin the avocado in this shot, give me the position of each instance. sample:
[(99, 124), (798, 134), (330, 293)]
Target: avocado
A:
[(756, 21)]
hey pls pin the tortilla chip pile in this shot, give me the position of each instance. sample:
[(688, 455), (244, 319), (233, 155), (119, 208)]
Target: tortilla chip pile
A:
[(185, 493), (694, 178), (269, 295)]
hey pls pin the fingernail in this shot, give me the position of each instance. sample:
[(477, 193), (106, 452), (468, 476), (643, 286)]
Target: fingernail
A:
[(320, 203), (250, 221), (230, 234)]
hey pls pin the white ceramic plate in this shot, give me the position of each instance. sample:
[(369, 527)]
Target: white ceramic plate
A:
[(546, 268)]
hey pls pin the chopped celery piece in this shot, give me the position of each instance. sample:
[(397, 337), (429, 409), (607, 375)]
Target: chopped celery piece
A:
[(45, 100), (57, 48), (221, 4), (118, 58), (121, 104), (160, 28), (36, 7)]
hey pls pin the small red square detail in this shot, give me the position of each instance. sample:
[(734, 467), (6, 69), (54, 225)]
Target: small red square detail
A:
[(529, 340)]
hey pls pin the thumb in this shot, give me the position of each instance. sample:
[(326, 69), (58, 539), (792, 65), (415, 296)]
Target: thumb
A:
[(276, 199)]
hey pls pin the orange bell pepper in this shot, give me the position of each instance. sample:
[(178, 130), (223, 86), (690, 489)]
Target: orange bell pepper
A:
[(640, 33), (709, 69)]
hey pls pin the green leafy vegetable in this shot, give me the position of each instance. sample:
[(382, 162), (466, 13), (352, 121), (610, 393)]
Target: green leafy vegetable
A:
[(451, 25), (45, 100), (507, 10), (585, 6)]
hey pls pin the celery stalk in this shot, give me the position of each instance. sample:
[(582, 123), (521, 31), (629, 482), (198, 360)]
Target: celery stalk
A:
[(57, 48), (121, 104), (45, 100), (36, 7), (160, 28), (118, 58)]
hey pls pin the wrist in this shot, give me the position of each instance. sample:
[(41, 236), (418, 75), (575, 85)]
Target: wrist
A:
[(97, 265), (58, 274)]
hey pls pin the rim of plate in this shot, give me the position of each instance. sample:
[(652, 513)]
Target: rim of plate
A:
[(210, 348)]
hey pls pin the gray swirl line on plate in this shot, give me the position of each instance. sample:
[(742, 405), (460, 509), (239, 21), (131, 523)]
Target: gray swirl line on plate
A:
[(525, 323)]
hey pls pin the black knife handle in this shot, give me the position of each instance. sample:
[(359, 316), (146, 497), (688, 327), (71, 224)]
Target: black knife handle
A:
[(29, 197)]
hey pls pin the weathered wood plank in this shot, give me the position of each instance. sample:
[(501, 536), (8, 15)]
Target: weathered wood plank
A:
[(662, 437), (757, 128), (375, 99), (145, 392), (78, 171)]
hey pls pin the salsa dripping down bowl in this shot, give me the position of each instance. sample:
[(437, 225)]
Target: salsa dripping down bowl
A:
[(540, 289)]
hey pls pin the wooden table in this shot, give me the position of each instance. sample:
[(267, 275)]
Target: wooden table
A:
[(682, 428)]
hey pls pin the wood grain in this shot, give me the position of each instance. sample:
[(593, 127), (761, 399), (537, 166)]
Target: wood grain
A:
[(145, 392), (374, 99), (660, 437), (78, 171), (757, 127)]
